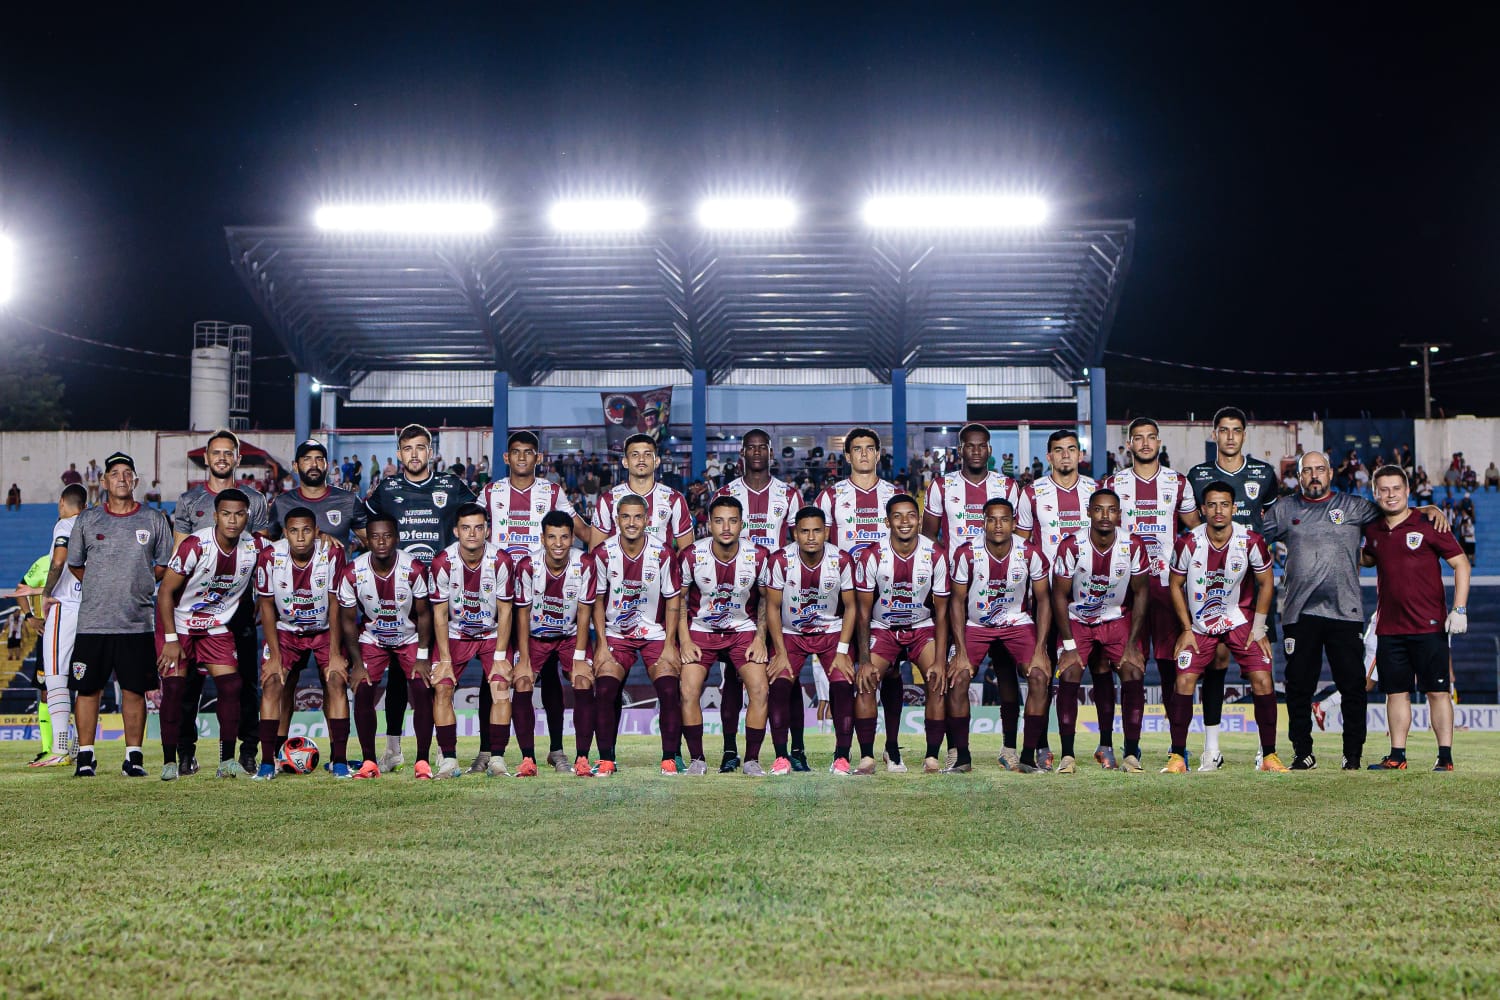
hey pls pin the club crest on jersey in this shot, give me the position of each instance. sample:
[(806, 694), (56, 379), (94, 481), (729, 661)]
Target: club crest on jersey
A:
[(1336, 515), (1184, 660), (1252, 491), (1414, 540), (334, 516), (142, 536), (79, 668), (439, 498)]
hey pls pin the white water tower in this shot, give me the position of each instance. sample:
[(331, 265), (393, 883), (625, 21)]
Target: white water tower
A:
[(219, 392)]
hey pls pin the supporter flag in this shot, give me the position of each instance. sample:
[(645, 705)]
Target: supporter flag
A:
[(647, 411)]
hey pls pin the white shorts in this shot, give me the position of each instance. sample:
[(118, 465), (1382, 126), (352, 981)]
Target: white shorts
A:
[(1371, 640), (58, 632)]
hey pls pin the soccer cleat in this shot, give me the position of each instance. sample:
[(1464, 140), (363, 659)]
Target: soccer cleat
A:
[(677, 759), (959, 768), (527, 768), (840, 765), (1132, 764), (558, 761), (52, 761), (265, 772), (730, 763), (1105, 758), (1271, 762), (582, 769), (448, 768), (950, 759), (1304, 762), (866, 767), (481, 762), (390, 762), (669, 767), (247, 758), (893, 766), (1443, 765), (422, 771), (752, 769), (799, 761), (1176, 764), (1388, 763), (697, 768), (931, 765), (41, 756), (1044, 758), (1009, 759), (781, 766), (604, 769), (496, 768), (1259, 756), (340, 770), (1319, 716), (169, 772), (229, 769), (187, 766), (84, 768), (1026, 768), (369, 769), (1350, 763), (1212, 762), (132, 769), (1067, 765)]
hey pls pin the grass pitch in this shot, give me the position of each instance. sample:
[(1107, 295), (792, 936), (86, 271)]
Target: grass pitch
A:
[(1232, 884)]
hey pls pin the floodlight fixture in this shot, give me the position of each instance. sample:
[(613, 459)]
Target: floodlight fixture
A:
[(954, 212), (598, 216), (434, 217), (7, 268), (747, 214)]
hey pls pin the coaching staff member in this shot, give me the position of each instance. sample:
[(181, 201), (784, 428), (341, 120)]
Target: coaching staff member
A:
[(119, 550), (1322, 531)]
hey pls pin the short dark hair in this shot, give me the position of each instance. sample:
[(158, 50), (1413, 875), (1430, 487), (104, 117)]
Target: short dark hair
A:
[(755, 432), (522, 437), (1104, 492), (1142, 422), (726, 501), (999, 502), (640, 439), (1217, 486), (75, 495), (632, 500), (1057, 436), (1230, 413), (412, 431), (556, 519), (470, 510), (976, 427), (299, 512), (859, 432), (390, 519), (230, 495), (226, 435), (1391, 470), (899, 498), (811, 510)]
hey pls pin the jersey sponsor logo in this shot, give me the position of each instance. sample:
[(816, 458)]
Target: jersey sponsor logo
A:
[(334, 516), (439, 498), (143, 536), (1414, 540), (1252, 491)]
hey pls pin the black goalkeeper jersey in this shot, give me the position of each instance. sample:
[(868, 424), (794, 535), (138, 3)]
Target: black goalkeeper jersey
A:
[(1255, 485), (427, 511)]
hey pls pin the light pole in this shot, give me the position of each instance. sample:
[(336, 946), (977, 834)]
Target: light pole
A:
[(1427, 349)]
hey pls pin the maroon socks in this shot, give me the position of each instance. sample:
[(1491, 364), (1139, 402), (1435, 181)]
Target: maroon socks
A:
[(583, 721)]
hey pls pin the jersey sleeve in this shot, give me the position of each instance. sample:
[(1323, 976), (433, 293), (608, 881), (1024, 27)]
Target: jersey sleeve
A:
[(1182, 555), (263, 587), (505, 576), (420, 585), (561, 502), (1036, 563), (962, 561), (1270, 528), (61, 532), (439, 572), (1270, 489), (1365, 512), (374, 502), (600, 562), (825, 501), (1026, 510), (934, 502), (846, 571), (1066, 560), (1187, 503), (521, 587), (773, 576), (338, 559), (940, 585), (1259, 553), (671, 576), (682, 521), (260, 514), (76, 544), (1139, 562), (163, 547), (182, 523), (185, 559), (588, 572), (1443, 542), (347, 597), (359, 515), (864, 570), (604, 513)]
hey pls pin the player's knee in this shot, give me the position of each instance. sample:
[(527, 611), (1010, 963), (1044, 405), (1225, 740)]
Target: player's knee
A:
[(1072, 675)]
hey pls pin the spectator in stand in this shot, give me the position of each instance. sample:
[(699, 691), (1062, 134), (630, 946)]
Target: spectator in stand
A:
[(885, 464), (1361, 478), (1289, 482), (713, 470), (1454, 474), (1166, 459), (375, 472), (482, 472), (1470, 478), (72, 475), (1492, 477), (1465, 533), (92, 476), (390, 468), (13, 498), (1422, 486)]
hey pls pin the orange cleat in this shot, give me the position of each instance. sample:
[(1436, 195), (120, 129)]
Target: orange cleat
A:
[(527, 768), (669, 767), (582, 769), (369, 769), (605, 769), (1176, 764), (423, 771), (1271, 762)]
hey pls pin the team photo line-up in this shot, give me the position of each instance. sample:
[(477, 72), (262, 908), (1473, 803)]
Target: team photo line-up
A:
[(1063, 576)]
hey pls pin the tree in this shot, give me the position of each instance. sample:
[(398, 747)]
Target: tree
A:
[(30, 395)]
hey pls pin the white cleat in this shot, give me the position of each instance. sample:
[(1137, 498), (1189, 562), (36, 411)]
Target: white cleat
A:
[(1211, 763), (449, 768), (390, 762), (497, 767), (893, 766)]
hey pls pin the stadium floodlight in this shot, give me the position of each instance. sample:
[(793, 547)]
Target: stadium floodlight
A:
[(598, 216), (407, 217), (954, 212), (747, 213), (7, 269)]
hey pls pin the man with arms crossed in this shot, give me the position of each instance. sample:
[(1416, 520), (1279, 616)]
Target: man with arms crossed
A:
[(1412, 616)]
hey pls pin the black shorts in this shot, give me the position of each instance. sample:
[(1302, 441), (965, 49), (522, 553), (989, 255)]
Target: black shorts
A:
[(129, 656), (1403, 658)]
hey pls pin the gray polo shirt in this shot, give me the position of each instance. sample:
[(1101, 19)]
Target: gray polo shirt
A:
[(119, 554), (1322, 540), (195, 510)]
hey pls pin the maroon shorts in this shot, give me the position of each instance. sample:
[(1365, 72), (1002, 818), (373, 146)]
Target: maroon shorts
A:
[(543, 651), (295, 645), (377, 658), (1109, 636), (1246, 652), (465, 650), (1019, 641), (626, 651), (890, 643), (736, 645), (199, 649), (799, 647), (1162, 627)]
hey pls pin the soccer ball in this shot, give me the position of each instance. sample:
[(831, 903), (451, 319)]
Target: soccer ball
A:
[(298, 755)]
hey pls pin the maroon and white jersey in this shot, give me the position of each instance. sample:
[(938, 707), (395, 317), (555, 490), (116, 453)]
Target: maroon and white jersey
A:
[(856, 517), (1149, 509), (999, 589), (960, 504), (723, 593), (302, 594), (1051, 513), (810, 595), (516, 514), (1220, 581), (1099, 581), (667, 517), (216, 580), (768, 512), (554, 598), (635, 590), (904, 586), (473, 593), (386, 602)]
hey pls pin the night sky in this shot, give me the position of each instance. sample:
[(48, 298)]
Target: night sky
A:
[(1308, 191)]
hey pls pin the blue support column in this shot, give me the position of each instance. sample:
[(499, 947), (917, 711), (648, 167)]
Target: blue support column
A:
[(500, 421), (1098, 422), (302, 407), (700, 424), (898, 419)]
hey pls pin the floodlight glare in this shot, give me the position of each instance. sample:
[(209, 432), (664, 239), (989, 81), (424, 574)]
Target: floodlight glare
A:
[(7, 268), (747, 213), (954, 212), (407, 217), (609, 216)]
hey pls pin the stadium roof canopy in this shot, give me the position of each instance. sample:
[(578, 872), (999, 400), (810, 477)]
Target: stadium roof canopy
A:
[(529, 303)]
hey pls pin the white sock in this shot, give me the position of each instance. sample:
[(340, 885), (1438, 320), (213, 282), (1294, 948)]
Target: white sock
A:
[(87, 750), (133, 750), (1210, 740), (60, 707), (392, 744)]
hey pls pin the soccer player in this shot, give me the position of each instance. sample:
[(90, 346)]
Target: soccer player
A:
[(901, 587), (768, 504), (1051, 509), (194, 512), (517, 504), (553, 605), (723, 619), (423, 500), (1255, 484), (668, 521), (637, 593), (473, 587), (119, 549), (1412, 615), (1096, 581), (296, 579), (999, 584), (1220, 571), (199, 596), (1153, 499), (856, 513), (811, 610), (388, 587), (340, 512), (62, 592)]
